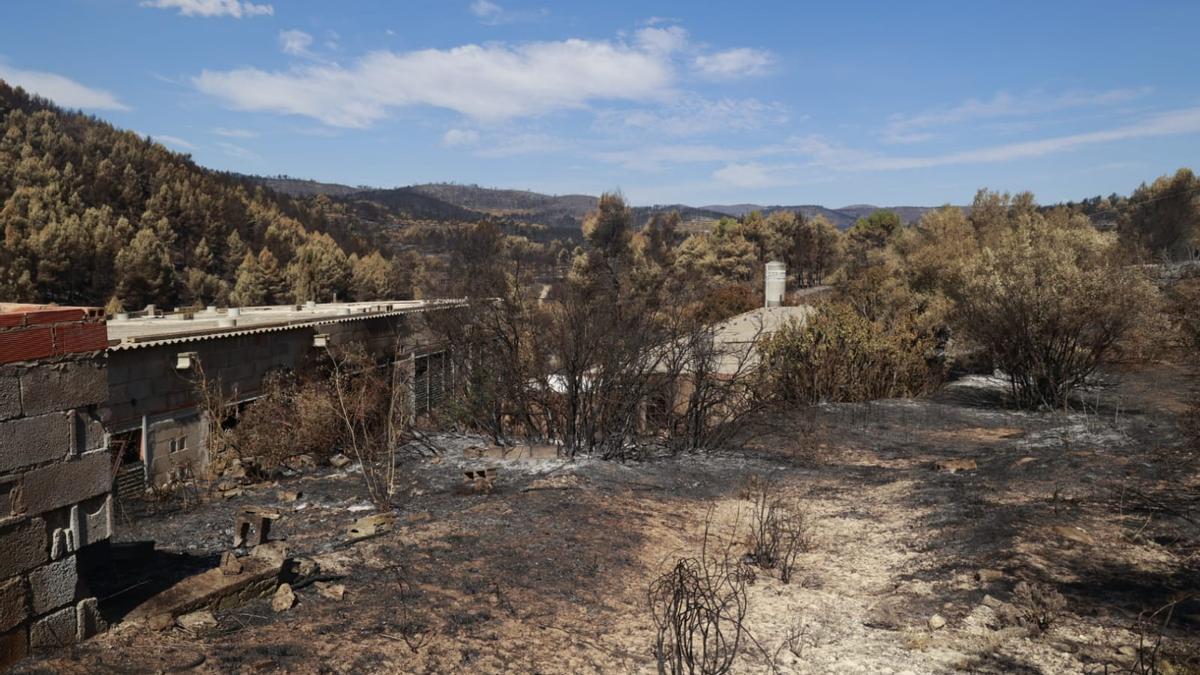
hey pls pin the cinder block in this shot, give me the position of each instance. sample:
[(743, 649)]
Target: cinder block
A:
[(66, 483), (10, 395), (88, 621), (62, 386), (62, 542), (14, 646), (10, 489), (14, 603), (24, 547), (53, 586), (95, 523), (89, 432), (54, 630), (34, 440)]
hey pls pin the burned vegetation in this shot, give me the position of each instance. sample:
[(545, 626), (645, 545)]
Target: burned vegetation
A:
[(970, 450)]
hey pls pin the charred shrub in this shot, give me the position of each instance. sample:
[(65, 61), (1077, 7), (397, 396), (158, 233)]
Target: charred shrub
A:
[(1037, 606), (779, 529), (698, 607), (295, 416)]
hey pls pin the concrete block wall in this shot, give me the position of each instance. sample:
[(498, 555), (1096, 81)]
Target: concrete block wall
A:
[(55, 473), (145, 391)]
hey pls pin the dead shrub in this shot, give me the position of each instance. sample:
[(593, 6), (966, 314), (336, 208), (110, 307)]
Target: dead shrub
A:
[(1037, 606), (725, 302), (1157, 656), (294, 416), (779, 529), (1183, 307), (371, 403), (698, 607), (414, 629), (796, 639)]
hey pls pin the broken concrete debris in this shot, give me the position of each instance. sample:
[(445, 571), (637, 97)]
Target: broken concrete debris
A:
[(198, 622), (331, 591), (480, 480), (369, 526), (284, 598), (988, 576), (274, 552), (230, 565), (339, 461), (213, 590), (257, 520)]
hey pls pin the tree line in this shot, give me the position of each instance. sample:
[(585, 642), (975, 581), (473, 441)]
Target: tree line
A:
[(93, 215)]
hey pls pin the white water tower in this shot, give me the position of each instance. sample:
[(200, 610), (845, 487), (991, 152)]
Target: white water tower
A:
[(776, 283)]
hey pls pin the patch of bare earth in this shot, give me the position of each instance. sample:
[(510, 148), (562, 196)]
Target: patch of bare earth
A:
[(915, 567)]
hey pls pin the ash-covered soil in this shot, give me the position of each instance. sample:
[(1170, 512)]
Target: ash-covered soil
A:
[(549, 572)]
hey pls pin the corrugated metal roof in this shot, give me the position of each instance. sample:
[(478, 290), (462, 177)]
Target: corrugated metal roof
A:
[(157, 338)]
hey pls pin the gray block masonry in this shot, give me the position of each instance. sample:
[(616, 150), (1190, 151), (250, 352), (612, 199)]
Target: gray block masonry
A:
[(55, 474)]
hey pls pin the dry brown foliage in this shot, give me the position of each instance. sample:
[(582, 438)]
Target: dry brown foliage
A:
[(294, 416), (1037, 606), (839, 355)]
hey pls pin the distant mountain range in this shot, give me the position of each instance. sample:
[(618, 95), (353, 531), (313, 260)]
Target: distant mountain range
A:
[(842, 217), (452, 201)]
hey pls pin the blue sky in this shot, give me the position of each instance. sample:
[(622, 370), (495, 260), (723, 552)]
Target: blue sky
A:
[(715, 102)]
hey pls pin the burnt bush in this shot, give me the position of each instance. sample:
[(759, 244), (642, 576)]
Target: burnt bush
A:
[(294, 416), (1037, 606), (779, 530), (698, 608)]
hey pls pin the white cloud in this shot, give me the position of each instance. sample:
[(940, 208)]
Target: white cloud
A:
[(524, 144), (652, 158), (173, 141), (662, 40), (62, 90), (733, 63), (493, 14), (751, 175), (819, 154), (916, 128), (454, 138), (211, 8), (235, 133), (485, 9), (695, 115), (295, 42), (484, 82), (237, 151), (1172, 123)]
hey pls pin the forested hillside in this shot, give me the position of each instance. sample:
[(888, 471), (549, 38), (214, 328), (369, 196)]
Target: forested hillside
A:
[(94, 215)]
